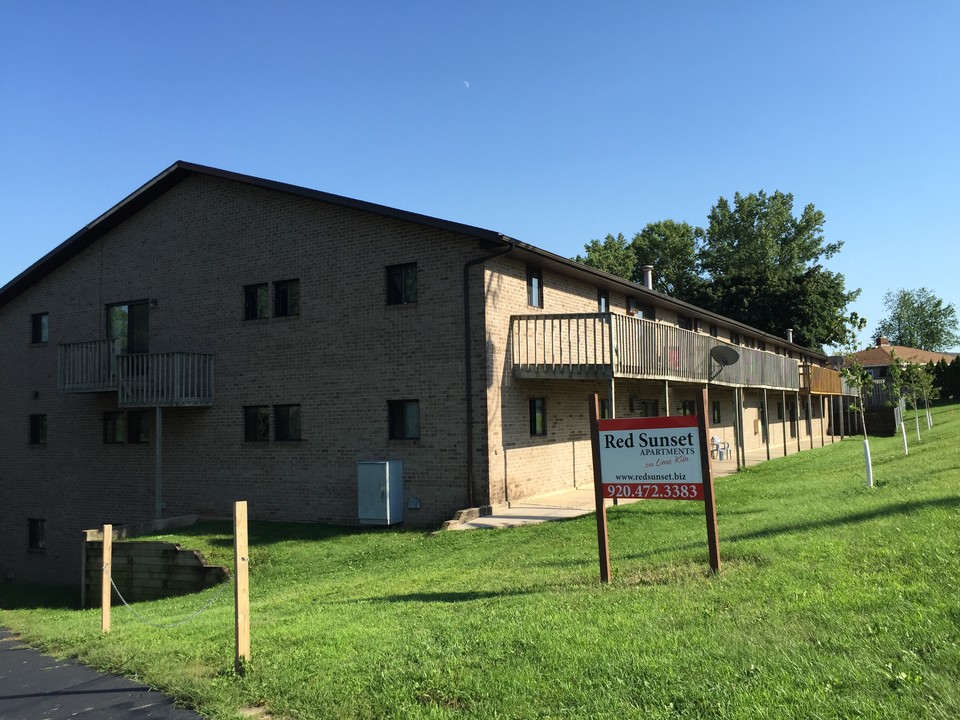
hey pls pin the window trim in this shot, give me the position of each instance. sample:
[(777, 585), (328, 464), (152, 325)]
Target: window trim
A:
[(285, 302), (37, 535), (289, 436), (535, 286), (252, 301), (397, 420), (40, 328), (38, 431), (538, 417), (400, 295), (142, 437), (262, 411)]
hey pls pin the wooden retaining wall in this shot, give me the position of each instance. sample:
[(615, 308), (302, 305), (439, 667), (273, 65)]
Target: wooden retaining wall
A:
[(144, 570)]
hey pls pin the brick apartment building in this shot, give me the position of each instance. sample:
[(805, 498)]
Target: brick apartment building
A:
[(216, 337)]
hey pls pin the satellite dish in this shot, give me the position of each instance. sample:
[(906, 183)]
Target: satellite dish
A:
[(724, 355)]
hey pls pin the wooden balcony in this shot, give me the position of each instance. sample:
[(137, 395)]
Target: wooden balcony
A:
[(816, 380), (607, 345), (173, 379)]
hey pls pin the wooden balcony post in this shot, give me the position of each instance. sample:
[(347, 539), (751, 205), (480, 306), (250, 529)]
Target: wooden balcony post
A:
[(766, 423)]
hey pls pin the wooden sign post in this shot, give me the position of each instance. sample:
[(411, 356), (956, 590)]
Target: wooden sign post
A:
[(105, 579), (602, 541), (241, 590), (662, 458)]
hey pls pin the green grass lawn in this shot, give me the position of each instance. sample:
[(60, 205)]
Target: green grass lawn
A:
[(835, 601)]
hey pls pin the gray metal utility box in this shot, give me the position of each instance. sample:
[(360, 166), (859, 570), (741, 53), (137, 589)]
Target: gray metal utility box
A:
[(380, 492)]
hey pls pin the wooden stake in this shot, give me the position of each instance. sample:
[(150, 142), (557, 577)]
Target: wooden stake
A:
[(709, 503), (241, 562), (105, 585), (602, 541)]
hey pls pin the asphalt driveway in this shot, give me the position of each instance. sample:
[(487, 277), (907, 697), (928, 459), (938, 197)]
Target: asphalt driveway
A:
[(38, 687)]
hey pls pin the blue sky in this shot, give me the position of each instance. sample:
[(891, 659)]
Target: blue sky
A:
[(552, 122)]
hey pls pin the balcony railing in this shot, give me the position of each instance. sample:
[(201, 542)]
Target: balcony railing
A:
[(148, 380), (606, 345), (165, 379), (821, 380), (87, 366)]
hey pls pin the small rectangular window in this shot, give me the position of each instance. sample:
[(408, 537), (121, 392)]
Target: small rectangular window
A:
[(402, 284), (714, 331), (637, 309), (39, 328), (715, 419), (734, 338), (603, 300), (779, 410), (286, 422), (644, 408), (125, 427), (286, 298), (538, 416), (606, 409), (686, 407), (114, 427), (255, 302), (36, 534), (684, 323), (404, 419), (137, 426), (256, 423), (534, 287), (38, 429)]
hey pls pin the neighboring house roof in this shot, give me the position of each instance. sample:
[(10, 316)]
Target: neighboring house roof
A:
[(180, 170), (880, 356)]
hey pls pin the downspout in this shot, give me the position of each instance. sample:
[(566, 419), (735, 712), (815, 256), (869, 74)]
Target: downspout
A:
[(468, 365)]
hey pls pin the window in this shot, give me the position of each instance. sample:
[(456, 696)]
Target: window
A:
[(603, 300), (129, 323), (36, 534), (39, 328), (734, 338), (715, 419), (125, 427), (644, 408), (606, 410), (402, 284), (255, 305), (538, 416), (256, 423), (534, 287), (714, 331), (287, 422), (684, 323), (114, 427), (779, 410), (404, 419), (686, 407), (38, 429), (137, 426), (636, 308), (286, 298)]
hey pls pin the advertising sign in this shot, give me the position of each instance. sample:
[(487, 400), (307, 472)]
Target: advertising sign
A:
[(651, 458)]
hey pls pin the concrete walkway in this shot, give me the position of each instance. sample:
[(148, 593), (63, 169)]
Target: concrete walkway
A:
[(39, 687), (575, 502)]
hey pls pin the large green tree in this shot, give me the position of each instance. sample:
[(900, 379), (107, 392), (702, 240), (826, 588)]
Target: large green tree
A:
[(763, 268), (919, 319), (755, 262), (614, 255), (671, 247)]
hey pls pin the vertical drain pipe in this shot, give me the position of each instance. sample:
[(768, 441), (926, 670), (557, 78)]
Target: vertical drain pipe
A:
[(467, 332)]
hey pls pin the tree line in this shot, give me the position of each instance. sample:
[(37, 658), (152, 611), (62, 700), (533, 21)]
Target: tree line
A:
[(758, 263)]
